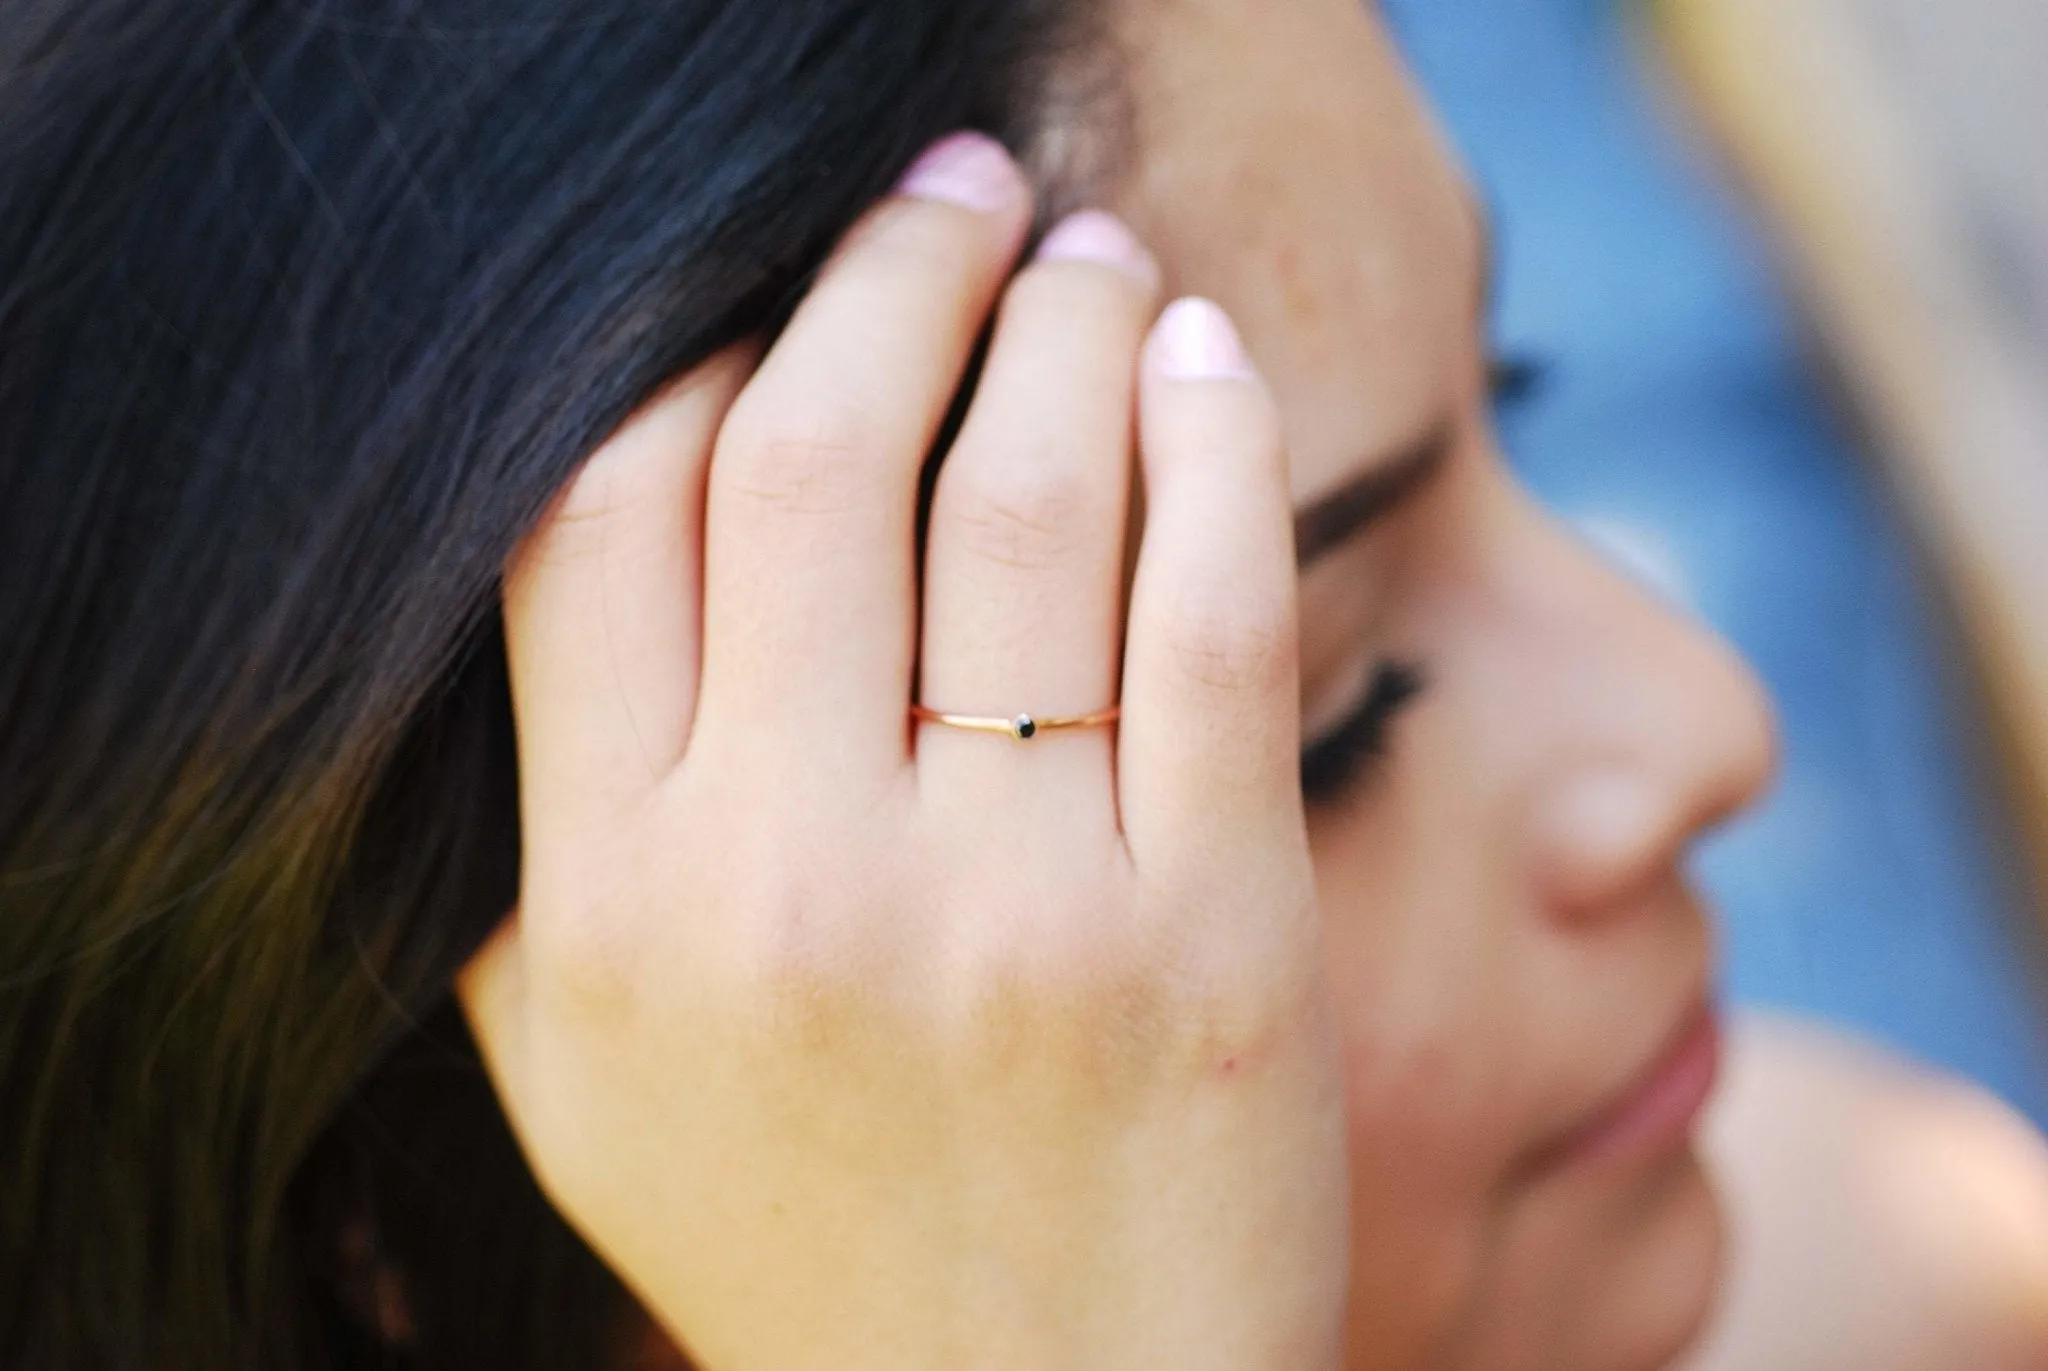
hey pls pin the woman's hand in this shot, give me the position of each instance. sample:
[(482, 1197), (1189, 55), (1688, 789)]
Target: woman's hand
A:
[(855, 1043)]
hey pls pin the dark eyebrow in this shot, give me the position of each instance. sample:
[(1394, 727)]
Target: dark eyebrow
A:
[(1333, 519), (1374, 493)]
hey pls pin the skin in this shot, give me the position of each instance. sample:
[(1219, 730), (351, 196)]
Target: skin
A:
[(1506, 922), (1229, 1084), (796, 1023), (1508, 929), (1883, 1217)]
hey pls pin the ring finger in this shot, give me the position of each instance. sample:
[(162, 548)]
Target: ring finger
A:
[(1024, 562)]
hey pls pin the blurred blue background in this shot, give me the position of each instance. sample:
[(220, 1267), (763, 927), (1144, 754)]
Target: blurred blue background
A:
[(1677, 423)]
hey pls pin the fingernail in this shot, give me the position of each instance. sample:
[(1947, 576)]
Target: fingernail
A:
[(971, 170), (1093, 236), (1196, 342)]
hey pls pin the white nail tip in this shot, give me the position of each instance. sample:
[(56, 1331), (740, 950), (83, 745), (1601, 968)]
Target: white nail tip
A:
[(1195, 341)]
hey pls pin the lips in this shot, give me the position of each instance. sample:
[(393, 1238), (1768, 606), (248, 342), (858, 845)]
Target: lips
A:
[(1652, 1113)]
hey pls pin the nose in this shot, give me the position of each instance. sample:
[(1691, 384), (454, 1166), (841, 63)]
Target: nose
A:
[(1656, 730)]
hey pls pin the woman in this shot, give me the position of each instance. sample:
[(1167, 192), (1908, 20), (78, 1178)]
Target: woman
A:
[(844, 1032)]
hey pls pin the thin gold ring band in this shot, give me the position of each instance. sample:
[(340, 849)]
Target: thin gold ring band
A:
[(1022, 727)]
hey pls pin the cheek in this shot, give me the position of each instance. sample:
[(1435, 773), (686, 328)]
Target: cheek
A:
[(1430, 971), (1428, 967), (1420, 975)]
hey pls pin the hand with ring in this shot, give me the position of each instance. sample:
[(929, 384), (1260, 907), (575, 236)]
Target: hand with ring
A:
[(852, 1034)]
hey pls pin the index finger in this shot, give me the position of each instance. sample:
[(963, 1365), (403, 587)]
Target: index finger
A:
[(602, 603), (1211, 676)]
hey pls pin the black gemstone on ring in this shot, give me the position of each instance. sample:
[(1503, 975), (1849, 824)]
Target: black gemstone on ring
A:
[(1025, 726)]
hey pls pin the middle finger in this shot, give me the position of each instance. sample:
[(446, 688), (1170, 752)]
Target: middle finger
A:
[(1024, 568)]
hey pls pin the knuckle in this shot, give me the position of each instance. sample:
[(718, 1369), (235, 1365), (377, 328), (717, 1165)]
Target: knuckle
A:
[(1111, 997), (1030, 513), (584, 519), (1033, 956), (1235, 639), (595, 493), (807, 971), (1002, 1018), (1181, 1013), (1223, 1002), (1056, 1000), (808, 464), (1224, 1028)]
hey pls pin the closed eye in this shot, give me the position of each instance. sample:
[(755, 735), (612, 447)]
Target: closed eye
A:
[(1333, 763)]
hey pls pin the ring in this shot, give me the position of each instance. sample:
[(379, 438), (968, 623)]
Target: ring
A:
[(1023, 727)]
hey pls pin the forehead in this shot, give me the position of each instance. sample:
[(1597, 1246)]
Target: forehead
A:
[(1283, 164)]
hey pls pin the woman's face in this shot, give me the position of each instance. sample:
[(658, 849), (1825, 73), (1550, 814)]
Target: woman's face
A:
[(1512, 944)]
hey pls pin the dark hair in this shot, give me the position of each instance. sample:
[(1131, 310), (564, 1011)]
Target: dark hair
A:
[(307, 309)]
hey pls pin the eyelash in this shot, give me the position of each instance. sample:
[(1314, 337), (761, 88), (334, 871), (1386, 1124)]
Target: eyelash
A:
[(1333, 763)]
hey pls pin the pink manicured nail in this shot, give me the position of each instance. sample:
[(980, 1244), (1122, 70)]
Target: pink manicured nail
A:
[(1196, 342), (967, 169), (1093, 236)]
